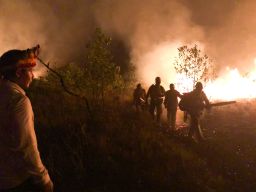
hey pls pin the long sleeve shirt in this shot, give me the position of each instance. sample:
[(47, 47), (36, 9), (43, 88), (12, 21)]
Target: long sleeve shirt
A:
[(171, 99), (156, 94), (139, 96), (19, 155), (199, 101)]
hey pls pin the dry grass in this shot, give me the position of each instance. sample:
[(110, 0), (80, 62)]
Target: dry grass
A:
[(119, 150)]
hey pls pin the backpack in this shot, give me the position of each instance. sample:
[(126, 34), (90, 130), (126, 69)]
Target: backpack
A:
[(185, 102)]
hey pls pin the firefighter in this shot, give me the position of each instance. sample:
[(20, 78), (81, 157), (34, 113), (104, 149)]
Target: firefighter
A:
[(139, 98), (171, 104), (198, 101), (156, 94), (21, 168)]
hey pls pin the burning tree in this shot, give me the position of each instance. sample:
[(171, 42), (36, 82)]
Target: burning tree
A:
[(193, 66)]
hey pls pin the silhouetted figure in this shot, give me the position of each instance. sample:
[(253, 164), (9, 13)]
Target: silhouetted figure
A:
[(171, 104), (198, 101), (156, 93), (139, 98)]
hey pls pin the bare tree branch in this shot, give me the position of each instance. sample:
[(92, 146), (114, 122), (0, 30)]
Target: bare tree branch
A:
[(65, 87)]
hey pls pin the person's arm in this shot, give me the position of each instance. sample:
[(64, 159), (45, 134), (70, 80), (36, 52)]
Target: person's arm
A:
[(144, 94), (165, 99), (206, 100), (163, 91), (148, 93), (134, 96), (26, 143), (179, 95), (48, 187)]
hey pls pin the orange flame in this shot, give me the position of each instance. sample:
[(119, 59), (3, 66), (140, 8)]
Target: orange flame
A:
[(230, 85)]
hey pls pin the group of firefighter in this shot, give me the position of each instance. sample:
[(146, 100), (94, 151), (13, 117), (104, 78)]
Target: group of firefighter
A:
[(156, 96)]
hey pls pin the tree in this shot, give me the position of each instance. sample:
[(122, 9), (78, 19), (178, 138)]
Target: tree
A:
[(98, 77), (194, 66), (101, 73)]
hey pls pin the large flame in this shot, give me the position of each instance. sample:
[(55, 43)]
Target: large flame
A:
[(233, 86), (230, 84)]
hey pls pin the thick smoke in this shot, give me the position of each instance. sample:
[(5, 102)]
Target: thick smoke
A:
[(232, 44), (152, 29), (143, 24), (224, 28)]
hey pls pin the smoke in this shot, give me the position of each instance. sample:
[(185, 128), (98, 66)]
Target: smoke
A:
[(224, 29), (146, 23), (61, 28), (152, 30), (232, 44)]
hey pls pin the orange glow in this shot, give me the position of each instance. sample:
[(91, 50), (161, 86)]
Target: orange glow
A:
[(233, 85), (230, 84), (157, 62), (39, 71)]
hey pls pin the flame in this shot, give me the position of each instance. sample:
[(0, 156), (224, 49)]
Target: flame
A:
[(230, 84)]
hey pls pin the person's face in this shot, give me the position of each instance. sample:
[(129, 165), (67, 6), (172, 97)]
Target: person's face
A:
[(25, 77)]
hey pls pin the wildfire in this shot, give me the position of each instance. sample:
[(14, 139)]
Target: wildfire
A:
[(230, 84)]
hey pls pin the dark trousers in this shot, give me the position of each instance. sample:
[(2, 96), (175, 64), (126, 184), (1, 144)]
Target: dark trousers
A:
[(139, 107), (158, 107), (195, 129), (171, 117), (26, 186)]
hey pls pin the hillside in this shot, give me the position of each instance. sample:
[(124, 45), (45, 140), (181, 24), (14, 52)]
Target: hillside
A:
[(117, 149)]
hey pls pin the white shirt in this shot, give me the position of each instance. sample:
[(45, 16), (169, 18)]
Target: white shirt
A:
[(19, 155)]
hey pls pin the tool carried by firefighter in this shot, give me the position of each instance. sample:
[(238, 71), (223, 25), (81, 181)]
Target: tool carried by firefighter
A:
[(186, 103), (222, 103)]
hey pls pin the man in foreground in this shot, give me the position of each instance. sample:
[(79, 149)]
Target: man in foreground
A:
[(21, 168)]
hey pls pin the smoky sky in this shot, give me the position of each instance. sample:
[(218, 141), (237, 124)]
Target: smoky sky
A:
[(226, 28)]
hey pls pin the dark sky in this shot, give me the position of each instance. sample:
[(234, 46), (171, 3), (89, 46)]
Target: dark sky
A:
[(226, 28)]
